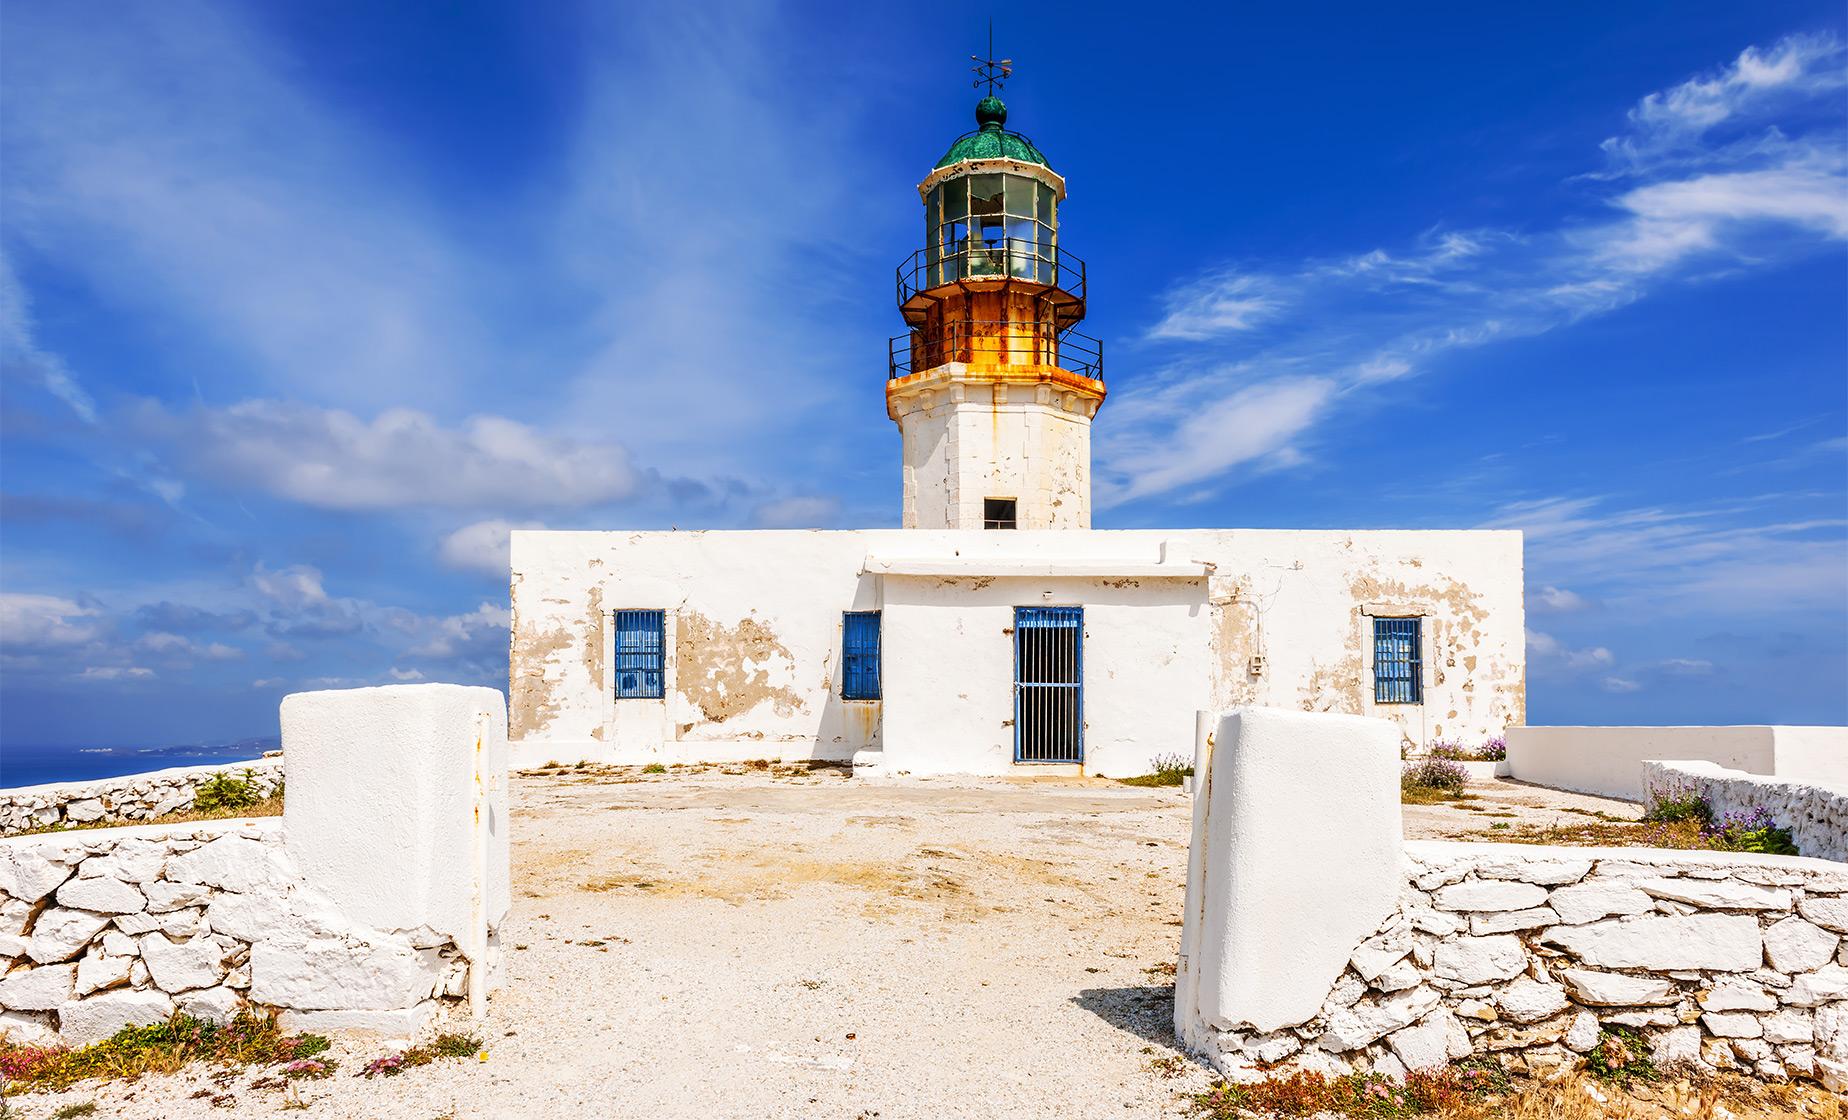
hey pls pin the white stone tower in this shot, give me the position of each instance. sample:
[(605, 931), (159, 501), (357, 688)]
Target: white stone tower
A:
[(992, 389)]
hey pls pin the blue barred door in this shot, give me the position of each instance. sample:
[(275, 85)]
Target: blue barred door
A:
[(1049, 684)]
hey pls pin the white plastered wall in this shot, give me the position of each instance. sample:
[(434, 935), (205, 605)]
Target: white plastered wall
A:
[(761, 611), (964, 443), (1609, 760)]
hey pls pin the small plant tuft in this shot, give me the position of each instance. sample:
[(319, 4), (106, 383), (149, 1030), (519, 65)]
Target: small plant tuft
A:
[(1675, 800), (449, 1045), (654, 768), (221, 792), (1432, 779), (1165, 770), (1754, 831), (1621, 1056)]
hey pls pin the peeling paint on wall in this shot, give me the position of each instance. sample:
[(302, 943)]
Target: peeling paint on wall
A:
[(724, 672), (535, 700)]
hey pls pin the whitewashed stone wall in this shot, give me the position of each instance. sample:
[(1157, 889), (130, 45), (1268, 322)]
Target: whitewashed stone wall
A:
[(133, 797), (1524, 953), (1817, 816), (1720, 961), (100, 929), (376, 898)]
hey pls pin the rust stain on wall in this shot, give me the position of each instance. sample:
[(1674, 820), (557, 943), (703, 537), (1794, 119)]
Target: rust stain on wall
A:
[(722, 670)]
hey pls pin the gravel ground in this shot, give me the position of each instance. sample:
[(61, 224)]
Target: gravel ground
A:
[(793, 944)]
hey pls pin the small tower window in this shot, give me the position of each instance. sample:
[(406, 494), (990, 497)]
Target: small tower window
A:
[(998, 513)]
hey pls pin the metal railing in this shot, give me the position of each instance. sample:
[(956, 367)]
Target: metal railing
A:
[(995, 343), (1004, 258)]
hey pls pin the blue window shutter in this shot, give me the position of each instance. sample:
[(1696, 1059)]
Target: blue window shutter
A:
[(1398, 661), (860, 655), (641, 650)]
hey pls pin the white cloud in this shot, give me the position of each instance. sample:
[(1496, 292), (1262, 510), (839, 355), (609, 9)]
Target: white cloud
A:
[(175, 646), (1544, 649), (1219, 304), (1687, 666), (1724, 556), (1798, 66), (293, 588), (168, 159), (1595, 657), (20, 355), (481, 547), (1693, 193), (401, 458), (461, 635), (1619, 685), (405, 675), (1182, 433), (46, 621), (1550, 598), (116, 673)]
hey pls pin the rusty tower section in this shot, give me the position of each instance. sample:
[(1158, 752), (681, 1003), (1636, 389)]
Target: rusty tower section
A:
[(992, 389)]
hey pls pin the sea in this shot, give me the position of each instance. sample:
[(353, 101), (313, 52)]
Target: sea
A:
[(25, 765)]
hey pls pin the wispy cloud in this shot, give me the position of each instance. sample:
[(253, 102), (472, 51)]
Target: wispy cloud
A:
[(165, 157), (1738, 167), (20, 355), (400, 458), (1727, 556)]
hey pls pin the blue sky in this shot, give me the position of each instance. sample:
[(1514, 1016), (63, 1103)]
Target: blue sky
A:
[(304, 304)]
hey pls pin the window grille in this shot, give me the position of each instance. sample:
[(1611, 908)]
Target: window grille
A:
[(640, 654), (999, 513), (860, 655), (1397, 661), (1048, 684)]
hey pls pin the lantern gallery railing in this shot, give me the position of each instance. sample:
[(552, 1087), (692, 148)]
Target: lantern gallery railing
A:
[(995, 344), (1001, 258)]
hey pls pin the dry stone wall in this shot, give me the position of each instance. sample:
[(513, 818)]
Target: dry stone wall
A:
[(135, 797), (1817, 816), (1718, 960), (101, 929)]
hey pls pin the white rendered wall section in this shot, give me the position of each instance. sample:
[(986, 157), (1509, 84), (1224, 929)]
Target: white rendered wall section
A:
[(397, 803), (956, 454)]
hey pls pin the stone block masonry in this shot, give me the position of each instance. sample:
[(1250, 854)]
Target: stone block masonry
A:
[(100, 929), (338, 915), (128, 799), (1525, 954)]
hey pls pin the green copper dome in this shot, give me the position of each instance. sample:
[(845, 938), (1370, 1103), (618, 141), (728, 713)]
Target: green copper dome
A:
[(992, 140)]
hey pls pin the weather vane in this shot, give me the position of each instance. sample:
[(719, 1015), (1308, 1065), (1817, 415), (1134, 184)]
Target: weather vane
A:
[(991, 71)]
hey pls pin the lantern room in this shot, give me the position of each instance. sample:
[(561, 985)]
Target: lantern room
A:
[(992, 388)]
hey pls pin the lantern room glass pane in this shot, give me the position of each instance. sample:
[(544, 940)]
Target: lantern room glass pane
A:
[(985, 194), (1023, 247), (955, 198), (1019, 196), (1045, 204)]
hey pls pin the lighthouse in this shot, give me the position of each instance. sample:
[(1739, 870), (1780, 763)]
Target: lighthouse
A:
[(992, 387)]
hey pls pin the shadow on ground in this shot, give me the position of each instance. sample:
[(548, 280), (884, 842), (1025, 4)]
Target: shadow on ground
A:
[(1144, 1011)]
